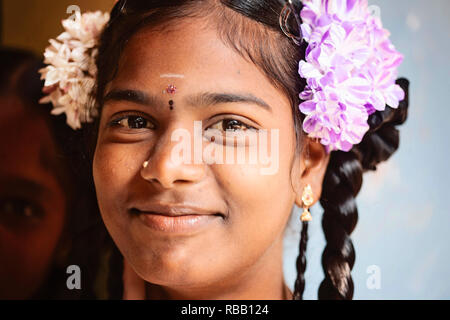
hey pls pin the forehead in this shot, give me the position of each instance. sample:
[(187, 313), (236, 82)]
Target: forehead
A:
[(192, 49), (24, 137)]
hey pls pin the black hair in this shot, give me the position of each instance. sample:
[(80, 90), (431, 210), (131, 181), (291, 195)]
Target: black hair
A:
[(342, 182), (251, 27)]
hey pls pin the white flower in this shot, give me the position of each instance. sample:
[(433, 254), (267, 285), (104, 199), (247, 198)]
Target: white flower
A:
[(71, 71)]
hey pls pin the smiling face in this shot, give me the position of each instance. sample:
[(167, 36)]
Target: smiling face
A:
[(243, 212)]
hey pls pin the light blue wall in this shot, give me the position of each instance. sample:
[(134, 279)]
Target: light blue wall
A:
[(404, 215)]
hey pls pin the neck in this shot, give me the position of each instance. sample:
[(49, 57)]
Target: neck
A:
[(262, 281)]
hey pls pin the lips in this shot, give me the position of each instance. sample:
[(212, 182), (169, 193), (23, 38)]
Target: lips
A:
[(173, 210), (175, 218)]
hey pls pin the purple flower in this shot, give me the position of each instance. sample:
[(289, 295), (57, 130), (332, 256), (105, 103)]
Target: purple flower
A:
[(350, 69)]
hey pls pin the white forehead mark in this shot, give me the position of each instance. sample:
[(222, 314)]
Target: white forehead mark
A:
[(171, 75)]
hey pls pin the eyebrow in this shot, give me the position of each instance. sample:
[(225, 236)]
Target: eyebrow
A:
[(25, 185), (209, 98), (134, 96), (202, 99)]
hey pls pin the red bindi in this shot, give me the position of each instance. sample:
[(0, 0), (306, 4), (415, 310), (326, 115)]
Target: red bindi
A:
[(171, 89)]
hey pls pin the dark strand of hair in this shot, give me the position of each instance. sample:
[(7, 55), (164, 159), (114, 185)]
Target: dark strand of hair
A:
[(301, 264)]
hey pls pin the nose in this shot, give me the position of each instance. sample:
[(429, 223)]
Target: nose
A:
[(163, 169)]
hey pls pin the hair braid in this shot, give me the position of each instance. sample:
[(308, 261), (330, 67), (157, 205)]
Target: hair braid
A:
[(341, 184), (301, 264)]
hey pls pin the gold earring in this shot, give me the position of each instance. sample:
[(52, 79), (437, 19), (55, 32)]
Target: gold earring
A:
[(307, 199), (145, 164)]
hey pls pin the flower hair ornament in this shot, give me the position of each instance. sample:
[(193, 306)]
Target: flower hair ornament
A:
[(350, 68), (71, 71)]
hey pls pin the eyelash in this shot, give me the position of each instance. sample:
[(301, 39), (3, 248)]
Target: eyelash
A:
[(18, 213), (117, 122), (227, 120), (124, 116)]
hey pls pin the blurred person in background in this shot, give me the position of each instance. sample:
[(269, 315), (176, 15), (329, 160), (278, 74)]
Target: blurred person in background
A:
[(37, 184)]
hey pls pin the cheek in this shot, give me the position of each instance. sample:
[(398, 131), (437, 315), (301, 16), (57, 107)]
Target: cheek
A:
[(28, 253), (260, 204), (257, 200), (114, 168), (24, 262), (115, 165)]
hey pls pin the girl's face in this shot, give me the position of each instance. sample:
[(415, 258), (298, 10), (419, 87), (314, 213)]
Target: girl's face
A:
[(242, 212), (32, 200)]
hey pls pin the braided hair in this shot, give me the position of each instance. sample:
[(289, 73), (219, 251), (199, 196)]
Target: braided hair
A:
[(342, 182), (252, 28)]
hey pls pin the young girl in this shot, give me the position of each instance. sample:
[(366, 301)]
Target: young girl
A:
[(40, 192), (318, 77)]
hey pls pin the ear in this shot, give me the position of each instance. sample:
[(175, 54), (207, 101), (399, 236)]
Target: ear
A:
[(310, 168)]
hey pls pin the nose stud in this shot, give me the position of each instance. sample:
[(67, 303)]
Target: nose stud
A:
[(145, 164)]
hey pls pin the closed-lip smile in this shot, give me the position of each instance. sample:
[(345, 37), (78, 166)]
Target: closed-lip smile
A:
[(175, 218), (172, 209)]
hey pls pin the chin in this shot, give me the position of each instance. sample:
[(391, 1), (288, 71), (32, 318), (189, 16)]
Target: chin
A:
[(171, 272)]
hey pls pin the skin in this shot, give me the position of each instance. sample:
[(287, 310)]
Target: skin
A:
[(27, 243), (239, 256)]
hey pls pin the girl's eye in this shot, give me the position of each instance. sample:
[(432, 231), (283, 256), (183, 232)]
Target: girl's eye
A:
[(19, 207), (133, 122), (17, 211), (231, 132), (231, 125)]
